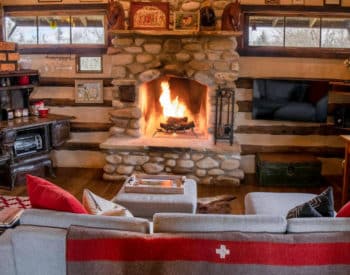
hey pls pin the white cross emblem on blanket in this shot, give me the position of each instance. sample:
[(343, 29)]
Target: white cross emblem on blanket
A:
[(222, 251)]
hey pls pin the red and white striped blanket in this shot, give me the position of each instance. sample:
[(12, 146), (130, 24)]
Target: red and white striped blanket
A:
[(101, 251)]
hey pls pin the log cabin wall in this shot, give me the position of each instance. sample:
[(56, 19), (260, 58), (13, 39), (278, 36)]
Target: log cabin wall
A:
[(91, 125), (320, 139)]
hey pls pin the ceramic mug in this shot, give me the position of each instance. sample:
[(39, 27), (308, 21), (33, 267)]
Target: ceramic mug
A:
[(43, 112)]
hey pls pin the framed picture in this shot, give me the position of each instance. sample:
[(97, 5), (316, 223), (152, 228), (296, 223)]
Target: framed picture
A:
[(298, 2), (89, 64), (272, 2), (186, 21), (88, 91), (332, 2), (149, 15)]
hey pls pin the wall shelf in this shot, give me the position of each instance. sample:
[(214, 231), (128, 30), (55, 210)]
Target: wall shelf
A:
[(16, 87), (174, 33)]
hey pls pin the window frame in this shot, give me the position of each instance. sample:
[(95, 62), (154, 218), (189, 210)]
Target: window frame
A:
[(278, 51), (60, 10)]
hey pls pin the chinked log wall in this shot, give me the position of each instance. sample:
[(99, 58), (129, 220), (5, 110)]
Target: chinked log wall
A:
[(319, 139), (91, 124)]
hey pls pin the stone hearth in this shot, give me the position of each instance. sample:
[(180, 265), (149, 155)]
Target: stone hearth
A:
[(139, 57)]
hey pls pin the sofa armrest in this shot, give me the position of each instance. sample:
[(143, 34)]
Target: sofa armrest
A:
[(7, 257)]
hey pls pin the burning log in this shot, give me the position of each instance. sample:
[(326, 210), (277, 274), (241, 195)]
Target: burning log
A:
[(177, 126), (176, 120)]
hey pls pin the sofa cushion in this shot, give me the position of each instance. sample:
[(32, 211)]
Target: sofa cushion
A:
[(273, 203), (46, 195), (177, 222), (64, 220), (344, 211), (97, 205), (325, 224), (323, 203)]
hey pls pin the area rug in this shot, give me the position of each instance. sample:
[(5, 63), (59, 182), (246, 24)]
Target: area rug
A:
[(14, 201)]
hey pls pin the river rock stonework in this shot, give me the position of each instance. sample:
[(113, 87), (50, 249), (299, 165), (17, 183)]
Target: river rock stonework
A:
[(210, 59), (204, 167)]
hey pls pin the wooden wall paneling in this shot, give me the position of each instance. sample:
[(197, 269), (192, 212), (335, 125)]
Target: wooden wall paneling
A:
[(78, 158), (311, 68), (84, 114)]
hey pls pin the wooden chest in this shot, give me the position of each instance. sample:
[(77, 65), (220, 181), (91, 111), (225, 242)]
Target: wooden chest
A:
[(288, 169)]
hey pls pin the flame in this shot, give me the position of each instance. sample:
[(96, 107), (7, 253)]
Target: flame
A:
[(171, 108)]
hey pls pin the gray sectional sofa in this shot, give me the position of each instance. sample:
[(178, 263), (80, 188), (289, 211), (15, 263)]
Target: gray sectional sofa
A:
[(38, 244)]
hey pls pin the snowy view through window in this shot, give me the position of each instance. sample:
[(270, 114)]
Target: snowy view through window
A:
[(83, 29), (299, 32)]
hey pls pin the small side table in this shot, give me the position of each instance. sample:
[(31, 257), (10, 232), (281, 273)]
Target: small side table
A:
[(345, 189)]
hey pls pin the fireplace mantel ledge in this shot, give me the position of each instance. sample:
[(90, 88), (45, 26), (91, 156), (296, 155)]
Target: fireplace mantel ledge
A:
[(203, 145), (174, 33)]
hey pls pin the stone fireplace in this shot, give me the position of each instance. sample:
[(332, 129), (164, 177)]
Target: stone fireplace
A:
[(190, 67)]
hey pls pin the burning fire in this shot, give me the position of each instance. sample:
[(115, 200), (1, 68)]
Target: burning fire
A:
[(171, 108)]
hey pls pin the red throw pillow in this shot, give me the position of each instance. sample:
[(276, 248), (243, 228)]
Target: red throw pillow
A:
[(344, 212), (46, 195)]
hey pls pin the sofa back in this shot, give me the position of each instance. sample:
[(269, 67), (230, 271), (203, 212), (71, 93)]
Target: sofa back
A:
[(50, 218), (224, 253), (39, 243), (177, 222), (325, 224)]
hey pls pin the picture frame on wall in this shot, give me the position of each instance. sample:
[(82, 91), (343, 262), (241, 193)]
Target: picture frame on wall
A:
[(88, 91), (332, 2), (89, 64), (186, 21), (149, 16)]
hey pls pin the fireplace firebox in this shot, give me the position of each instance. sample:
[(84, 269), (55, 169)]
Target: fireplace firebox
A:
[(174, 107)]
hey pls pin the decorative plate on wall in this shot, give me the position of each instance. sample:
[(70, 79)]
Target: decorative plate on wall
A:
[(149, 15)]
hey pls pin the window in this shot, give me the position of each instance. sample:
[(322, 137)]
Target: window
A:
[(55, 30), (297, 34), (23, 30), (266, 31)]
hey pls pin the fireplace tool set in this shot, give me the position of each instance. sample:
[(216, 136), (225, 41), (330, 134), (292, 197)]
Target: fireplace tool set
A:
[(224, 114)]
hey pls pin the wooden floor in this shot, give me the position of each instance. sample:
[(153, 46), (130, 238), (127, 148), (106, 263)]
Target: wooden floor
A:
[(74, 180)]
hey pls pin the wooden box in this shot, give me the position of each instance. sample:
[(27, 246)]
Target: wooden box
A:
[(288, 169)]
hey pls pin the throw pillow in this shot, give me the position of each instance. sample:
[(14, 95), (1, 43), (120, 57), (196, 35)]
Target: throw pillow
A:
[(344, 212), (323, 204), (96, 205), (46, 195), (307, 211)]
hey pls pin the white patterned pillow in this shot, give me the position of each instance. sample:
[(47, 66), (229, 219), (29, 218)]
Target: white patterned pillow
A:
[(96, 205)]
